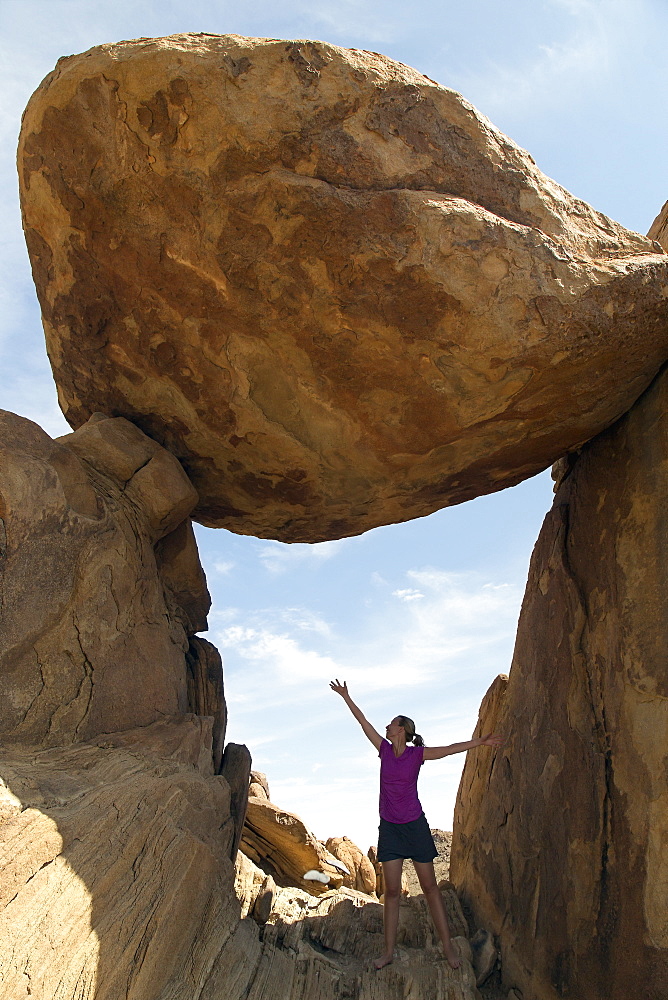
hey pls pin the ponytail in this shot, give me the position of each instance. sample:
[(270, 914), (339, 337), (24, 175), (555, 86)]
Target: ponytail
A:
[(409, 728)]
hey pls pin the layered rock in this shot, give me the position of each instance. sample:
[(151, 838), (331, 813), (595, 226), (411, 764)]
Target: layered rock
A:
[(113, 859), (281, 844), (94, 627), (335, 935), (329, 286), (559, 842)]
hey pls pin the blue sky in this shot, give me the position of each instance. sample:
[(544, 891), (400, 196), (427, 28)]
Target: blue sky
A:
[(418, 617)]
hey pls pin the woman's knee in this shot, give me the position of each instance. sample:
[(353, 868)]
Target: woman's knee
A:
[(392, 891)]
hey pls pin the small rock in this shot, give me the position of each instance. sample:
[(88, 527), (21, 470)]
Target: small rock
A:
[(484, 955)]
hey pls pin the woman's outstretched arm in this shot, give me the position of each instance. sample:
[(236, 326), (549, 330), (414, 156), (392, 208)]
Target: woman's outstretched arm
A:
[(493, 740), (369, 731)]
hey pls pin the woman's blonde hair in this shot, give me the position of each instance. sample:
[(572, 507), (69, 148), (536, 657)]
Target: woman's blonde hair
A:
[(409, 728)]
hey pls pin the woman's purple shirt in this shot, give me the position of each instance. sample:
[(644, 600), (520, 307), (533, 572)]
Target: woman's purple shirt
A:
[(399, 801)]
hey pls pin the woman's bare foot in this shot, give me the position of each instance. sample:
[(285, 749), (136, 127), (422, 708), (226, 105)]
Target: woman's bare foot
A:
[(379, 963), (452, 955)]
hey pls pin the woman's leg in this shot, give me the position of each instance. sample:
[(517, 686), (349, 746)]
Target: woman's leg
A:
[(427, 877), (392, 894)]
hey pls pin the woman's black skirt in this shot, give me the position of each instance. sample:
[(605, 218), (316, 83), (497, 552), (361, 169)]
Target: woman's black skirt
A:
[(406, 840)]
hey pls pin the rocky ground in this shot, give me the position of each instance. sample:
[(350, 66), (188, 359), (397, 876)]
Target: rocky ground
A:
[(492, 989)]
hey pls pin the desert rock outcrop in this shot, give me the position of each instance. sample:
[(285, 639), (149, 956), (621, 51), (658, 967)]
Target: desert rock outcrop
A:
[(559, 842), (325, 283), (279, 842), (346, 928), (659, 228), (92, 636), (362, 873), (87, 909)]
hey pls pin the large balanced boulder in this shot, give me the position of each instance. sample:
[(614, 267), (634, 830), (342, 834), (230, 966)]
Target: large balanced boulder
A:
[(328, 285), (560, 840), (93, 638)]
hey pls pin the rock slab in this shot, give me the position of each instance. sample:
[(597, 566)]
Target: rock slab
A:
[(559, 842), (94, 628), (328, 285)]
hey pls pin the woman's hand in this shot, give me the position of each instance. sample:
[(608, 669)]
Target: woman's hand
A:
[(340, 688), (493, 740)]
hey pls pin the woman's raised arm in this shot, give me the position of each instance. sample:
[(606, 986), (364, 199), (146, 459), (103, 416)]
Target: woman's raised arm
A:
[(493, 740), (369, 731)]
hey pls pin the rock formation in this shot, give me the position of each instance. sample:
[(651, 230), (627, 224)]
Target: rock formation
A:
[(326, 284), (116, 845), (280, 843), (113, 860), (333, 937), (362, 872), (659, 228), (334, 296), (236, 768), (94, 631), (559, 842)]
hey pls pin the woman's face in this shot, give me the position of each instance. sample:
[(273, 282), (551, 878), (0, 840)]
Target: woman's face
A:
[(393, 729)]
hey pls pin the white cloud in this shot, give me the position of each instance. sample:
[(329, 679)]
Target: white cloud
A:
[(223, 566), (280, 557), (409, 594)]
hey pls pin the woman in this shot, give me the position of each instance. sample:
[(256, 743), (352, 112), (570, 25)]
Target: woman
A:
[(403, 831)]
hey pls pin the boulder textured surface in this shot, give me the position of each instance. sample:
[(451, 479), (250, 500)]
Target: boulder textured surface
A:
[(281, 844), (362, 873), (559, 842), (92, 637), (659, 228), (335, 936), (328, 285), (113, 859)]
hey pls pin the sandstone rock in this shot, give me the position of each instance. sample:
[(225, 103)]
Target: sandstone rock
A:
[(182, 574), (259, 786), (115, 881), (112, 863), (346, 928), (559, 839), (362, 873), (329, 286), (484, 955), (206, 695), (279, 842), (87, 641), (149, 476), (235, 769), (659, 228)]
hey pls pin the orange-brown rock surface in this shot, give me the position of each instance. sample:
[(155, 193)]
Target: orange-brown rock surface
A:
[(281, 844), (362, 873), (328, 285), (334, 936), (659, 228), (92, 636), (113, 860), (560, 840)]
